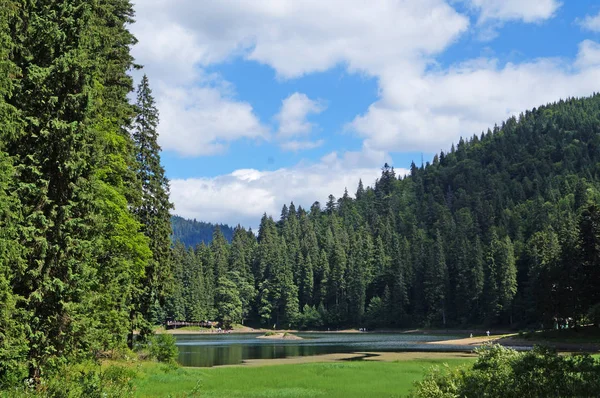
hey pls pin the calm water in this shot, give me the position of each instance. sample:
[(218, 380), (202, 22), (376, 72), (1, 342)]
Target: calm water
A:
[(227, 349)]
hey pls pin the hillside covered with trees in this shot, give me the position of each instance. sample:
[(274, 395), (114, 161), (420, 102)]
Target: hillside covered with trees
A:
[(192, 233), (502, 229)]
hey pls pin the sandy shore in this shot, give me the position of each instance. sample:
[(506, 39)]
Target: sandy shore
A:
[(470, 341), (365, 356)]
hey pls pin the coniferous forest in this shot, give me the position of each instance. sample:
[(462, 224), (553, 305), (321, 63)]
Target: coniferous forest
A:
[(192, 232), (502, 229)]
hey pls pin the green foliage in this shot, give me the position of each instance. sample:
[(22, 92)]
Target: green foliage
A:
[(310, 318), (502, 231), (229, 305), (594, 314), (82, 380), (152, 212), (192, 233), (502, 372), (162, 347)]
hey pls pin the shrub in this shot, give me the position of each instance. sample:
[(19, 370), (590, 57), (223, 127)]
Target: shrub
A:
[(162, 347), (502, 372), (84, 380)]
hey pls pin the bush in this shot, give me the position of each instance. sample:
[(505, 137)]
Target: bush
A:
[(502, 372), (162, 347), (309, 318), (84, 380)]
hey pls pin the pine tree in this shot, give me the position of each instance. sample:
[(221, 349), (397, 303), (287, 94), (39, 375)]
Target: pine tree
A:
[(73, 158), (436, 277), (13, 346), (153, 210)]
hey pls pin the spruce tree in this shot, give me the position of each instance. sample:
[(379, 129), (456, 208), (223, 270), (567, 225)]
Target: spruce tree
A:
[(153, 210), (72, 157)]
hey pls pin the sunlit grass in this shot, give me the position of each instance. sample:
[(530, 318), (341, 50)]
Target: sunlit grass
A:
[(337, 379)]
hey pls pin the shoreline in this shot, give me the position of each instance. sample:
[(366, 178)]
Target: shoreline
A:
[(504, 338), (250, 330)]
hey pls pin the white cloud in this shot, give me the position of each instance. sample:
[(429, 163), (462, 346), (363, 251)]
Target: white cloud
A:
[(296, 145), (507, 10), (591, 23), (588, 55), (199, 112), (293, 122), (202, 121), (300, 37), (430, 110), (493, 14), (244, 195), (293, 114)]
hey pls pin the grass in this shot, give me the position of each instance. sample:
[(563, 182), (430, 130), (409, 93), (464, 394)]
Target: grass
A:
[(335, 379), (587, 334)]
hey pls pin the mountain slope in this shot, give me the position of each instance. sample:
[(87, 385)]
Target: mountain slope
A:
[(503, 229), (192, 232)]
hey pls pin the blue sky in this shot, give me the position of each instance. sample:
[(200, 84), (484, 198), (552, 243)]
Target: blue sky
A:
[(267, 102)]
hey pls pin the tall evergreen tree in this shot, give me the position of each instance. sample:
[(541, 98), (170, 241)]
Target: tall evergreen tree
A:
[(153, 210)]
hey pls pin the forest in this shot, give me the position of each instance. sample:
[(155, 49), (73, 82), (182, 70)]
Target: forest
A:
[(502, 229), (192, 232)]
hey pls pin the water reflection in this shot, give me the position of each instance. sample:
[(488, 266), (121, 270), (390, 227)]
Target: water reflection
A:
[(227, 349)]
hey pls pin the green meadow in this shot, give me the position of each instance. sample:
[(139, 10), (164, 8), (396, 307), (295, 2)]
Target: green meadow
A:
[(333, 379)]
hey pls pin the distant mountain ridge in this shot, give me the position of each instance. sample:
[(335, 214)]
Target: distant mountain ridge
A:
[(192, 232)]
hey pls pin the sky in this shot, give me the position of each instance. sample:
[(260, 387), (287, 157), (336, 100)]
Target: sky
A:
[(265, 102)]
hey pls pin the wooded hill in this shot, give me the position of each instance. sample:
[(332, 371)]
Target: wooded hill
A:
[(191, 232), (502, 229)]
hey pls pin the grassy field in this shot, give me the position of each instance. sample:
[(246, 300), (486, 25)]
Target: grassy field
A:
[(335, 379)]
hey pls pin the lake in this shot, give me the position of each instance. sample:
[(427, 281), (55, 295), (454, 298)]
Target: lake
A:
[(206, 350)]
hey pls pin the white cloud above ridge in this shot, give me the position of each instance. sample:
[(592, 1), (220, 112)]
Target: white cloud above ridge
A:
[(300, 37), (244, 195), (468, 98)]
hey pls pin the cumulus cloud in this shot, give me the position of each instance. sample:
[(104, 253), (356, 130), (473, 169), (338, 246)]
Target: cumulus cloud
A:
[(588, 55), (591, 23), (430, 110), (244, 195), (203, 121), (199, 112), (293, 113), (293, 121), (300, 37)]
